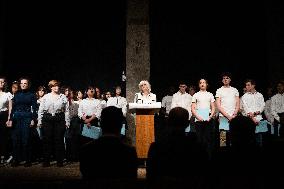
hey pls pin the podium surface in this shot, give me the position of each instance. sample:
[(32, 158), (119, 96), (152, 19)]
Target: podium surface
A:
[(145, 133)]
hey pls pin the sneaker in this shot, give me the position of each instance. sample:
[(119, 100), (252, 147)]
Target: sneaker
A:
[(2, 160), (9, 159)]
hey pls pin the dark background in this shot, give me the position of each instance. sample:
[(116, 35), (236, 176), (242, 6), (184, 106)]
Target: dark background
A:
[(84, 42), (77, 43), (204, 39)]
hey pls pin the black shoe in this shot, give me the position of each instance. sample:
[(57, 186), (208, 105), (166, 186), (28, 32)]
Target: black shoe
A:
[(15, 163), (45, 164), (59, 164), (28, 164)]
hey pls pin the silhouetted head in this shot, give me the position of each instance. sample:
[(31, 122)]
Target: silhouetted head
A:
[(111, 120), (178, 119), (242, 131)]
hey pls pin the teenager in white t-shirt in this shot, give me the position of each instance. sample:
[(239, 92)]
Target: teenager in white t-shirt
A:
[(228, 104), (203, 109)]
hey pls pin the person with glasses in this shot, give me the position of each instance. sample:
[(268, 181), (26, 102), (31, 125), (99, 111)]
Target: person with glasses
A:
[(144, 96)]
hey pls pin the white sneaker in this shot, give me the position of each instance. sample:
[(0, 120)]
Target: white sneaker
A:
[(2, 159), (9, 159)]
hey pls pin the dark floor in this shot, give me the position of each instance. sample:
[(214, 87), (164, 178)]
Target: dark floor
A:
[(69, 177), (56, 177)]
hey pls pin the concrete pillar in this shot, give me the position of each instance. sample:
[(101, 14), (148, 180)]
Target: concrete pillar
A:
[(137, 52)]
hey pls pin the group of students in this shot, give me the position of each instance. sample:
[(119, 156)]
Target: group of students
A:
[(56, 118), (59, 114), (206, 112)]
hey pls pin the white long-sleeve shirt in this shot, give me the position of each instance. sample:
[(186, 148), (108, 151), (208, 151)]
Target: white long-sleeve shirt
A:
[(54, 104), (277, 105), (167, 103), (119, 102), (268, 113), (253, 102), (89, 107), (141, 99), (182, 100), (4, 101)]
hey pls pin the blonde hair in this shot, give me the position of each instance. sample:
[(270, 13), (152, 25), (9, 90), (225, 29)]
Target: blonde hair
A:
[(53, 83), (147, 84)]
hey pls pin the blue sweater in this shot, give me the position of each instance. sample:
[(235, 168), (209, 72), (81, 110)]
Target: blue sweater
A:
[(25, 102)]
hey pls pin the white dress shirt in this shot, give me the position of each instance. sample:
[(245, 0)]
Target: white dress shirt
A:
[(203, 100), (277, 105), (73, 109), (103, 103), (89, 107), (167, 103), (268, 113), (227, 97), (253, 102), (119, 102), (54, 104), (142, 99), (182, 100), (4, 101)]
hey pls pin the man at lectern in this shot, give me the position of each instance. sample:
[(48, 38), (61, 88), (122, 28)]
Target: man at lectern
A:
[(144, 96)]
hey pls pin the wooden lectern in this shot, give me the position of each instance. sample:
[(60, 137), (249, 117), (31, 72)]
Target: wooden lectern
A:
[(145, 134)]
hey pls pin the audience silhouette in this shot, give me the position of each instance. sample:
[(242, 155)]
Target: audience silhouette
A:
[(108, 157), (178, 155)]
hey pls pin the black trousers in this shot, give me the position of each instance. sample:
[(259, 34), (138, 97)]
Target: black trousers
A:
[(281, 129), (36, 144), (205, 134), (5, 135), (53, 130), (72, 139)]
